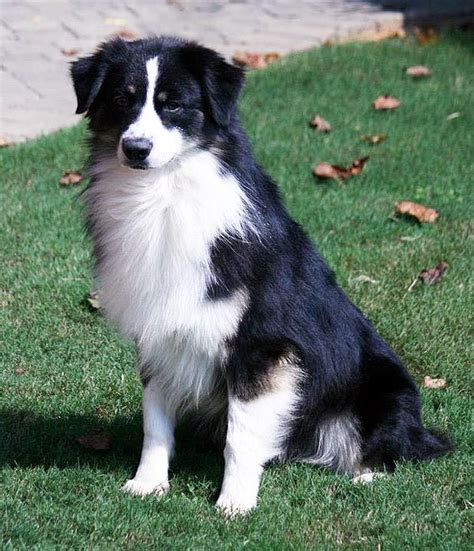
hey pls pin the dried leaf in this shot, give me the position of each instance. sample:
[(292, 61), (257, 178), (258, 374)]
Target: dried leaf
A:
[(5, 143), (374, 139), (320, 124), (96, 439), (70, 52), (428, 382), (326, 170), (19, 371), (418, 71), (93, 299), (249, 60), (420, 212), (357, 166), (431, 276), (270, 57), (426, 36), (253, 60), (100, 411), (126, 34), (380, 33), (385, 102), (70, 178)]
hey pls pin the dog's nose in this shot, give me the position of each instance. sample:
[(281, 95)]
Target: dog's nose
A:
[(136, 149)]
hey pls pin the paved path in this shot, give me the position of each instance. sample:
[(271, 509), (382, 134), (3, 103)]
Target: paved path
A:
[(36, 95)]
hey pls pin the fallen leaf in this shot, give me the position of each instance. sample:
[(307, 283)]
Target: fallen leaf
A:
[(19, 371), (420, 212), (426, 36), (270, 57), (357, 166), (385, 102), (249, 60), (96, 439), (378, 34), (253, 60), (126, 34), (70, 177), (5, 143), (320, 124), (93, 299), (374, 139), (326, 170), (428, 382), (70, 52), (418, 71), (453, 116), (431, 276)]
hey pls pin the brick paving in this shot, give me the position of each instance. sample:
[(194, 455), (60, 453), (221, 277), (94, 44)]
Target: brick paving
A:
[(36, 95)]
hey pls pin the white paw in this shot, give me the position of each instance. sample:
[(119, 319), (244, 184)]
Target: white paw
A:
[(367, 478), (137, 487), (232, 508)]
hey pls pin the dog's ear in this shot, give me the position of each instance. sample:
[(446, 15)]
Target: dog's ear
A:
[(88, 75), (222, 85)]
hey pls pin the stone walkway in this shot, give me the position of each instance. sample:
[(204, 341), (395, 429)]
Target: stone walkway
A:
[(35, 36)]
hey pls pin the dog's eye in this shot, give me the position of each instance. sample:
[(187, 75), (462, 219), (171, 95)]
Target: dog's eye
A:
[(172, 107), (121, 101)]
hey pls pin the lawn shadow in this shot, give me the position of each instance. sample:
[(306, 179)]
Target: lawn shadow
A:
[(33, 440)]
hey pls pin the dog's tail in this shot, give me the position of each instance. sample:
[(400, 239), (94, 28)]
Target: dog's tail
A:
[(428, 444)]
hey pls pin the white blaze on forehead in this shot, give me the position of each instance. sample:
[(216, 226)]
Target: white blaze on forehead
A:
[(152, 75), (167, 143), (143, 127)]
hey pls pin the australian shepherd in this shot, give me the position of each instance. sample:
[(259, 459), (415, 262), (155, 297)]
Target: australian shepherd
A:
[(236, 318)]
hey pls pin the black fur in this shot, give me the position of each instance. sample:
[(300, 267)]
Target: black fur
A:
[(295, 302)]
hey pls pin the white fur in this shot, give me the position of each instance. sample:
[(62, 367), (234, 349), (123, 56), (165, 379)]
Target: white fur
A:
[(167, 143), (255, 432), (158, 426), (156, 228), (338, 442), (367, 477)]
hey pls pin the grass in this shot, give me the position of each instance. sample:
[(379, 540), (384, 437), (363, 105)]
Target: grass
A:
[(56, 494)]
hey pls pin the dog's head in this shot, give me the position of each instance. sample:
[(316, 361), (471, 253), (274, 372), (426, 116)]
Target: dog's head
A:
[(153, 100)]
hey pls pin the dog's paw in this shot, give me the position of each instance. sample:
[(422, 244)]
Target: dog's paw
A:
[(367, 478), (234, 508), (137, 487)]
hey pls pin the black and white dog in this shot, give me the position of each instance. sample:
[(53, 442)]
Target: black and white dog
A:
[(234, 314)]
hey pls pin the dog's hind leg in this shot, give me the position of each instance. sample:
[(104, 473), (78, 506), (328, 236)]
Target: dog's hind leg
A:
[(158, 426)]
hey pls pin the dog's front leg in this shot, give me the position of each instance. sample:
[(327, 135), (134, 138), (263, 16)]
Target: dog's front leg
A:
[(158, 428), (253, 439)]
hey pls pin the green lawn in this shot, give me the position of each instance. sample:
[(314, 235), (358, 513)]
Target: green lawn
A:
[(56, 494)]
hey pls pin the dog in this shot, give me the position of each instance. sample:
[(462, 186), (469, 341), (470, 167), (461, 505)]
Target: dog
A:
[(236, 318)]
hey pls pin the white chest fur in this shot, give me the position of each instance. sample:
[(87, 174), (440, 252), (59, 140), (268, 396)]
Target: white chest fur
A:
[(156, 229)]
